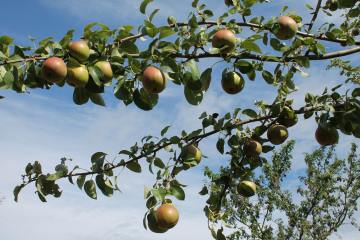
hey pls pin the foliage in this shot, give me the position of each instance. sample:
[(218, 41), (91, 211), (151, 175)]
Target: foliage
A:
[(175, 49)]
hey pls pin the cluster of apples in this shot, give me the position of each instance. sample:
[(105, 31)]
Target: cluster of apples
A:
[(277, 134), (225, 41), (75, 73)]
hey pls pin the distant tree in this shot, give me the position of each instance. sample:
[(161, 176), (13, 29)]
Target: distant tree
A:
[(325, 197)]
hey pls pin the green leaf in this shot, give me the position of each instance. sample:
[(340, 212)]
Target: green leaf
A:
[(193, 97), (97, 99), (159, 163), (249, 112), (177, 192), (276, 44), (144, 5), (204, 191), (16, 192), (220, 145), (80, 96), (104, 185), (152, 15), (90, 189), (244, 66), (164, 130), (95, 74), (205, 79), (250, 46), (268, 77), (144, 100), (134, 166), (356, 92), (80, 181), (166, 32)]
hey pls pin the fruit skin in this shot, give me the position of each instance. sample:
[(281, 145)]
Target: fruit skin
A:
[(246, 188), (332, 5), (288, 117), (78, 76), (252, 148), (225, 40), (287, 28), (79, 50), (153, 80), (326, 136), (167, 216), (277, 134), (153, 224), (105, 68), (232, 82), (54, 70), (191, 151)]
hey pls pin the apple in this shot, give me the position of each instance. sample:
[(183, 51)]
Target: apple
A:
[(287, 28), (288, 117), (225, 40), (252, 148), (153, 224), (153, 80), (105, 68), (193, 152), (78, 76), (326, 135), (246, 188), (167, 216), (232, 82), (54, 70), (277, 134), (79, 50)]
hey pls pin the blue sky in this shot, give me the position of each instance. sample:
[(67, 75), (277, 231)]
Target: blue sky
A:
[(46, 125)]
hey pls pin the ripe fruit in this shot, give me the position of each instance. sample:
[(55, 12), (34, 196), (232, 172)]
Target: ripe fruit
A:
[(153, 80), (191, 152), (79, 50), (277, 134), (252, 148), (232, 82), (153, 224), (287, 28), (105, 68), (167, 216), (246, 188), (326, 135), (78, 76), (287, 117), (225, 40), (54, 70), (332, 5)]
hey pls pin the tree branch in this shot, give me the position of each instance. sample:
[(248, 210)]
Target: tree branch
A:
[(315, 15), (263, 58), (268, 58), (187, 139)]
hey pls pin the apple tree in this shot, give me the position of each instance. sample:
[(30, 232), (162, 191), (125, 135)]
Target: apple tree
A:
[(140, 62)]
